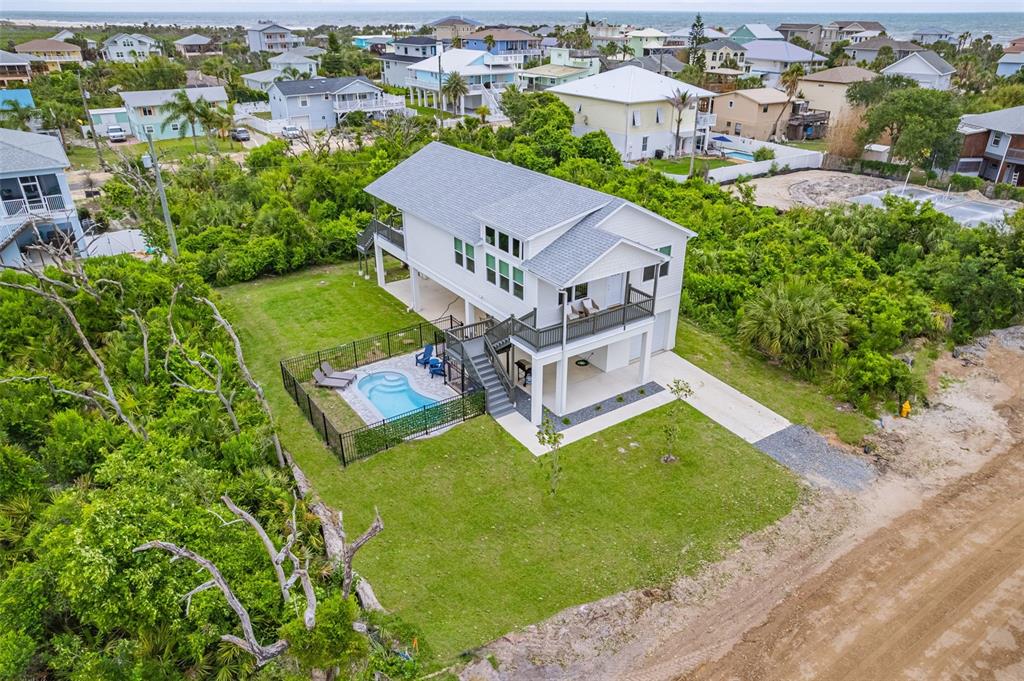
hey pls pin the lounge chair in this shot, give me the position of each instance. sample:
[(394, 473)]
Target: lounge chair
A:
[(340, 375), (589, 306), (322, 380), (423, 358)]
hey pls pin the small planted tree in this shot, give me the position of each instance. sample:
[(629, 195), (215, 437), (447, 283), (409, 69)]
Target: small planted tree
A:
[(548, 437), (680, 390)]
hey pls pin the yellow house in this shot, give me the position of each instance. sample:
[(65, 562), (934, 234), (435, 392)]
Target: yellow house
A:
[(631, 105), (751, 113), (54, 53), (826, 89), (722, 50)]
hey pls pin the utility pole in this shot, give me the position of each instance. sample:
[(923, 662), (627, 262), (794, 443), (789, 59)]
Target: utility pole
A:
[(163, 196), (92, 128)]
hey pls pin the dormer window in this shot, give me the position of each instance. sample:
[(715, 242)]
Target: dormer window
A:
[(503, 242)]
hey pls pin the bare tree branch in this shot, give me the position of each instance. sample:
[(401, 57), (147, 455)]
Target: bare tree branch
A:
[(56, 390), (246, 374), (276, 557), (339, 552), (263, 654)]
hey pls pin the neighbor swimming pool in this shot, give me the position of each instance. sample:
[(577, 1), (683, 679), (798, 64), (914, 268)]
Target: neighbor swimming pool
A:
[(739, 155), (391, 394)]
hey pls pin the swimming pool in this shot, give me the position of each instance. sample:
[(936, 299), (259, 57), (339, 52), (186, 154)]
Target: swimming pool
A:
[(391, 394), (739, 155)]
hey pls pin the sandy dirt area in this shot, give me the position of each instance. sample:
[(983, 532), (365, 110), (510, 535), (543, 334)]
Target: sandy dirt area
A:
[(920, 576), (815, 188)]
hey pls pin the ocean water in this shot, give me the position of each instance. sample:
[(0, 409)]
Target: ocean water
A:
[(1002, 26)]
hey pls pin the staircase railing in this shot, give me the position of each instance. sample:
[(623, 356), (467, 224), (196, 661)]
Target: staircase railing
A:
[(499, 370)]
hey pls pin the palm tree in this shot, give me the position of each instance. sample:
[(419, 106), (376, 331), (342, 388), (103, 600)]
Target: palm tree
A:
[(15, 115), (457, 42), (626, 51), (790, 81), (483, 111), (681, 100), (182, 110), (608, 50), (213, 119), (489, 42), (292, 73), (454, 89)]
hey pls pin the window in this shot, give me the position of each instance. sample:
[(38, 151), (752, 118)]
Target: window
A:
[(636, 118), (503, 272), (303, 101), (465, 255), (120, 55), (505, 276), (643, 144), (997, 138), (150, 129), (731, 102), (657, 115), (577, 292), (649, 270), (517, 283), (174, 127), (489, 235), (739, 128), (579, 108), (503, 242), (764, 109), (492, 276)]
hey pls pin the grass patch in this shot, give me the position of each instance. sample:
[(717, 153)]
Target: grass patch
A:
[(776, 388), (317, 308), (681, 166), (474, 546), (83, 156), (811, 145), (265, 115), (428, 110)]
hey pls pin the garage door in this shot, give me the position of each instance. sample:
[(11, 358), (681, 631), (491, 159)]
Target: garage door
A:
[(300, 121), (659, 337)]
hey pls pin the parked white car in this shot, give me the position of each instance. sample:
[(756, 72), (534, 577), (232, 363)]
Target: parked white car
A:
[(115, 133), (291, 132)]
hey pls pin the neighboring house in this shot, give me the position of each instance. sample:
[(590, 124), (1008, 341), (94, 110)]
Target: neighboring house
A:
[(51, 54), (195, 45), (196, 78), (320, 103), (147, 112), (486, 75), (365, 42), (664, 63), (566, 66), (531, 252), (261, 80), (1010, 64), (644, 41), (452, 27), (65, 35), (927, 68), (752, 113), (826, 90), (750, 32), (104, 118), (723, 49), (35, 196), (867, 50), (128, 48), (513, 44), (823, 37), (993, 146), (409, 50), (547, 44), (771, 58), (1015, 46), (863, 36), (631, 106), (293, 60), (933, 34), (809, 32), (681, 37), (309, 51), (269, 37), (15, 69)]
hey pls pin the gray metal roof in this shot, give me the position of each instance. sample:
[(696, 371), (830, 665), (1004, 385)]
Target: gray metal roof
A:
[(213, 95), (193, 39), (936, 62), (1010, 121), (416, 40), (10, 58), (459, 191), (28, 151), (318, 86), (723, 42)]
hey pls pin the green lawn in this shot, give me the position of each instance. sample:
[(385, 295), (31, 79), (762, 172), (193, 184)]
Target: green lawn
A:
[(811, 145), (681, 166), (776, 388), (83, 157), (429, 110), (473, 545)]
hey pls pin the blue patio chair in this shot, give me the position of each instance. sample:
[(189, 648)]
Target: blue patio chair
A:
[(423, 358), (436, 368)]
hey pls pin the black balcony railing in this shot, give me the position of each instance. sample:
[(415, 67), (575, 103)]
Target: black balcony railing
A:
[(388, 232)]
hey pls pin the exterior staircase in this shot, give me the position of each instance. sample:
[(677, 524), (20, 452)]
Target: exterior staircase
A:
[(496, 384), (492, 100)]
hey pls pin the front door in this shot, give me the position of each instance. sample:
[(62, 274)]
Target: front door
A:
[(613, 291), (30, 189)]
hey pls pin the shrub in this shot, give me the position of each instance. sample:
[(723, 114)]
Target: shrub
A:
[(963, 183), (764, 154)]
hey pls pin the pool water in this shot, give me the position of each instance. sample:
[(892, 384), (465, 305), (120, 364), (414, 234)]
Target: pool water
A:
[(740, 155), (391, 394)]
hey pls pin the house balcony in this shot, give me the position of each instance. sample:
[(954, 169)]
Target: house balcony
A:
[(412, 82), (1011, 155), (809, 117), (370, 104), (526, 52), (503, 59), (45, 206), (706, 120), (389, 233)]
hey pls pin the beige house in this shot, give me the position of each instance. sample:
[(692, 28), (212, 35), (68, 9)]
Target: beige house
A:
[(452, 27), (631, 105), (826, 90), (751, 113), (54, 53), (722, 50)]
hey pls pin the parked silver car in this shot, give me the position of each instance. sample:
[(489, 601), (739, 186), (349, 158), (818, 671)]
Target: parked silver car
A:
[(115, 133), (291, 132)]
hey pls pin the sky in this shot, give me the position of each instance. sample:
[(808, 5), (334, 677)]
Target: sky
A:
[(819, 6)]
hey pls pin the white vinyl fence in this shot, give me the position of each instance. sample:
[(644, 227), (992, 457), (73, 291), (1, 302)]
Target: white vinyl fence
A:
[(792, 158)]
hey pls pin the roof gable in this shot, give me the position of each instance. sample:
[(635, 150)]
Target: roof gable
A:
[(926, 59), (626, 85), (26, 151)]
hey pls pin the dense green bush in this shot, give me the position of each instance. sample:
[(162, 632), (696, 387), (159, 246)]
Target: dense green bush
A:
[(962, 183), (764, 154)]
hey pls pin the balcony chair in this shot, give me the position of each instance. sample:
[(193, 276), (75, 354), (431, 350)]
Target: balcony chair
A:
[(423, 358), (589, 306)]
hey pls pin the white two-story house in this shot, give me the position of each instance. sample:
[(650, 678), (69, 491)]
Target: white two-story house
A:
[(129, 48), (551, 276), (36, 199), (486, 75), (269, 37)]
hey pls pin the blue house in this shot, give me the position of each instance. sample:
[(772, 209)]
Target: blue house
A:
[(1010, 64), (363, 42), (147, 111), (513, 42), (321, 103)]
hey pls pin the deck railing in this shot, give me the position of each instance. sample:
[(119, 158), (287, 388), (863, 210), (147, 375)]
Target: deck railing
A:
[(388, 232)]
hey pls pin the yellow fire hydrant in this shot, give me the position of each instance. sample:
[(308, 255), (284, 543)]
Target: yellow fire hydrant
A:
[(905, 409)]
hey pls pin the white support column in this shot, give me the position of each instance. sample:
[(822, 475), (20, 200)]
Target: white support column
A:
[(469, 313), (561, 385), (378, 260), (537, 394), (414, 280), (645, 356)]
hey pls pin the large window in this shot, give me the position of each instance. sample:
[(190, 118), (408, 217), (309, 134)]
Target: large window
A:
[(503, 242), (505, 276), (577, 292), (465, 255), (649, 270)]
